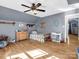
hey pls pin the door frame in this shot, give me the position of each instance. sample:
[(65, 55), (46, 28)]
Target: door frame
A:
[(67, 17)]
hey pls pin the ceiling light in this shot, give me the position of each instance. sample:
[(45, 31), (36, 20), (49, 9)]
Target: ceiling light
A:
[(34, 12), (21, 25)]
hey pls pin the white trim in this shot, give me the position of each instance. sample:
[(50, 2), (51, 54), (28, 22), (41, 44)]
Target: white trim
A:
[(66, 35), (67, 17), (72, 16)]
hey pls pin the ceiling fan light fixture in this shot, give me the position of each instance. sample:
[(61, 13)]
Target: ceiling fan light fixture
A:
[(35, 12), (33, 8)]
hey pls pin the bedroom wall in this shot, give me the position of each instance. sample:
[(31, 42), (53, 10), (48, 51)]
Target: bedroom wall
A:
[(53, 23), (13, 15), (10, 14), (9, 29)]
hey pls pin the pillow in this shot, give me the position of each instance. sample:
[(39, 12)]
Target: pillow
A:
[(3, 44), (34, 32)]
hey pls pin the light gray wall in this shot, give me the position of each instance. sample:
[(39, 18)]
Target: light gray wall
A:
[(54, 23), (72, 1), (13, 15), (9, 29), (9, 14)]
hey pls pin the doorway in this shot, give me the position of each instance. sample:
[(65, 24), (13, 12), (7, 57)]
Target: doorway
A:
[(72, 27)]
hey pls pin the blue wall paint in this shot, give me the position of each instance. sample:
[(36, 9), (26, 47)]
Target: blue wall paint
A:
[(10, 29), (13, 15), (7, 29), (54, 23), (9, 14)]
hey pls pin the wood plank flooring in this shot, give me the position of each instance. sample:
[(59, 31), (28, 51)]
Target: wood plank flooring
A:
[(62, 50)]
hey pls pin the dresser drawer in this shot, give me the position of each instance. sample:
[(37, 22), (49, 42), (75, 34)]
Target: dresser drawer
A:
[(21, 35)]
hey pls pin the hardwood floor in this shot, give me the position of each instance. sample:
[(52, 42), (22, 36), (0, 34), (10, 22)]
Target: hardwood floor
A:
[(62, 50)]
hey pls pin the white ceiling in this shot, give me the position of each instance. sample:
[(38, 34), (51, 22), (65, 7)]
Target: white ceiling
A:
[(51, 6)]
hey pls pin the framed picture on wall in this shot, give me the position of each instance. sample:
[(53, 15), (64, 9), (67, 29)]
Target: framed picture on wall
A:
[(7, 22), (42, 24)]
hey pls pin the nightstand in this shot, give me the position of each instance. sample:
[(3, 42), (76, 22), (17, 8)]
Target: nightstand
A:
[(21, 36)]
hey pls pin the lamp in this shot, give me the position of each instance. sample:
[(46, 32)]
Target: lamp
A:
[(22, 27), (35, 12)]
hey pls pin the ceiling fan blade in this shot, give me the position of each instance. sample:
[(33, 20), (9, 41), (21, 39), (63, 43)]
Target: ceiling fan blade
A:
[(27, 10), (39, 4), (25, 5), (40, 10)]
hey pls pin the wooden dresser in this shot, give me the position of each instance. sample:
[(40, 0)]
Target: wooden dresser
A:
[(21, 36)]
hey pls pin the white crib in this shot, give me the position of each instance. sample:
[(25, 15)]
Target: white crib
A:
[(37, 37)]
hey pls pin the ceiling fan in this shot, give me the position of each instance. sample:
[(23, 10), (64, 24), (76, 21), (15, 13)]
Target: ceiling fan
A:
[(34, 7)]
